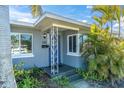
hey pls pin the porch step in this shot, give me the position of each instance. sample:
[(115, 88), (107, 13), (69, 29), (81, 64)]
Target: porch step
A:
[(71, 74), (64, 70), (68, 73), (74, 77)]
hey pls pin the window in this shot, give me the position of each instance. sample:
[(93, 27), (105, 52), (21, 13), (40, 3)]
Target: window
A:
[(74, 44), (82, 39), (21, 44), (72, 48)]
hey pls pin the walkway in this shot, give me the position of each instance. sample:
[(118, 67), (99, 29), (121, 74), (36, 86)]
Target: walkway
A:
[(80, 84)]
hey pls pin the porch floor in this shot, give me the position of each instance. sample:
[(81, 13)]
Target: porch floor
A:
[(62, 69)]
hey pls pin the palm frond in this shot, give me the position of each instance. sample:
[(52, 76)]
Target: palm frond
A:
[(36, 10)]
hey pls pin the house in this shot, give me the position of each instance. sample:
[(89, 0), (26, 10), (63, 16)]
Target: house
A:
[(51, 41)]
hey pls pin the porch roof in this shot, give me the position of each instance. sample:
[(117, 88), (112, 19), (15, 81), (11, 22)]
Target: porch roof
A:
[(49, 19)]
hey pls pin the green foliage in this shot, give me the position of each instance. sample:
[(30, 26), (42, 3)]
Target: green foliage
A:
[(36, 72), (30, 82), (104, 52), (61, 81), (105, 55), (28, 78), (109, 14), (88, 75)]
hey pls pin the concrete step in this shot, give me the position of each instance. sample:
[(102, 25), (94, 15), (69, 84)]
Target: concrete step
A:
[(71, 74), (74, 77), (68, 73)]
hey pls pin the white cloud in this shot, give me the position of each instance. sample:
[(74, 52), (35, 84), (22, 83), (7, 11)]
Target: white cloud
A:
[(89, 6), (122, 19), (116, 27), (21, 16), (88, 16), (84, 21)]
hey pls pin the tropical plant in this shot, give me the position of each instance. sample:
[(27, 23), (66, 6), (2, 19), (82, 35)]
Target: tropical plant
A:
[(28, 78), (36, 10), (119, 12), (61, 81), (105, 55), (30, 82), (87, 75), (109, 14), (106, 13)]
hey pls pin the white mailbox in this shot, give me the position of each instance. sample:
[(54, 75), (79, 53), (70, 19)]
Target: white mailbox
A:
[(45, 40)]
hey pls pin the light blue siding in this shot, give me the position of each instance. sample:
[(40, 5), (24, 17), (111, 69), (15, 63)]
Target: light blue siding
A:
[(41, 55), (74, 61), (40, 58)]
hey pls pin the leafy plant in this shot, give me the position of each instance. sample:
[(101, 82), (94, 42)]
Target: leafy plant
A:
[(28, 78), (30, 82), (36, 72), (105, 55), (61, 81), (87, 75)]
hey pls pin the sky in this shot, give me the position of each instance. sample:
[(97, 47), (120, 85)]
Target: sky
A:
[(81, 13)]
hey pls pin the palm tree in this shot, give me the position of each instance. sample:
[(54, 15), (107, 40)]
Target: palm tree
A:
[(6, 69), (119, 12), (7, 78), (36, 10), (110, 14), (107, 13)]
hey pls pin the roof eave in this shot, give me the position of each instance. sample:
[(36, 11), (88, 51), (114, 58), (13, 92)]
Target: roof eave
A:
[(57, 17)]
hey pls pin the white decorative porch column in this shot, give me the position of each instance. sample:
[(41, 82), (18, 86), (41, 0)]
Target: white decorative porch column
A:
[(54, 50), (6, 69)]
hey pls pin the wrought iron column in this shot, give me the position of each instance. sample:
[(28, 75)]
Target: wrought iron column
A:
[(54, 50)]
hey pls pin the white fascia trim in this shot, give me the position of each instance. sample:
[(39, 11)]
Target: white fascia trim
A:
[(40, 19), (58, 17), (21, 23), (22, 56), (73, 54), (67, 27)]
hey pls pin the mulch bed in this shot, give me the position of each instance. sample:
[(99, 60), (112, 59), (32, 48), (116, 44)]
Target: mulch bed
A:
[(48, 83), (106, 84)]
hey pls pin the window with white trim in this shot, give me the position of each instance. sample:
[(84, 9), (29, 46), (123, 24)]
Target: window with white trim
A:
[(74, 43), (82, 40), (21, 44)]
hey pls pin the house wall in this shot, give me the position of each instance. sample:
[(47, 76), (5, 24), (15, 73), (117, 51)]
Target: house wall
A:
[(74, 61), (40, 58)]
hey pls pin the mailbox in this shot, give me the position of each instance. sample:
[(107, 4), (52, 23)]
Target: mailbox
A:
[(45, 40)]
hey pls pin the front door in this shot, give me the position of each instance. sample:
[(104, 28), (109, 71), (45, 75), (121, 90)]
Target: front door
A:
[(59, 51)]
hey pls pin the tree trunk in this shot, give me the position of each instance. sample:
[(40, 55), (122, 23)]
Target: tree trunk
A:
[(119, 29), (7, 78), (111, 27)]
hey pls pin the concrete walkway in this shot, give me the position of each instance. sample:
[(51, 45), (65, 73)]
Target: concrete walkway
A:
[(80, 84)]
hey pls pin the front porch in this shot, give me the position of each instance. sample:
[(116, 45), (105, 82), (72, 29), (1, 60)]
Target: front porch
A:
[(62, 39), (63, 69), (57, 44)]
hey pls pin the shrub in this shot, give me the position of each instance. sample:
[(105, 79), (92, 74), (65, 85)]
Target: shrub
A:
[(28, 78), (61, 81), (87, 75), (105, 55), (36, 72), (30, 82)]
